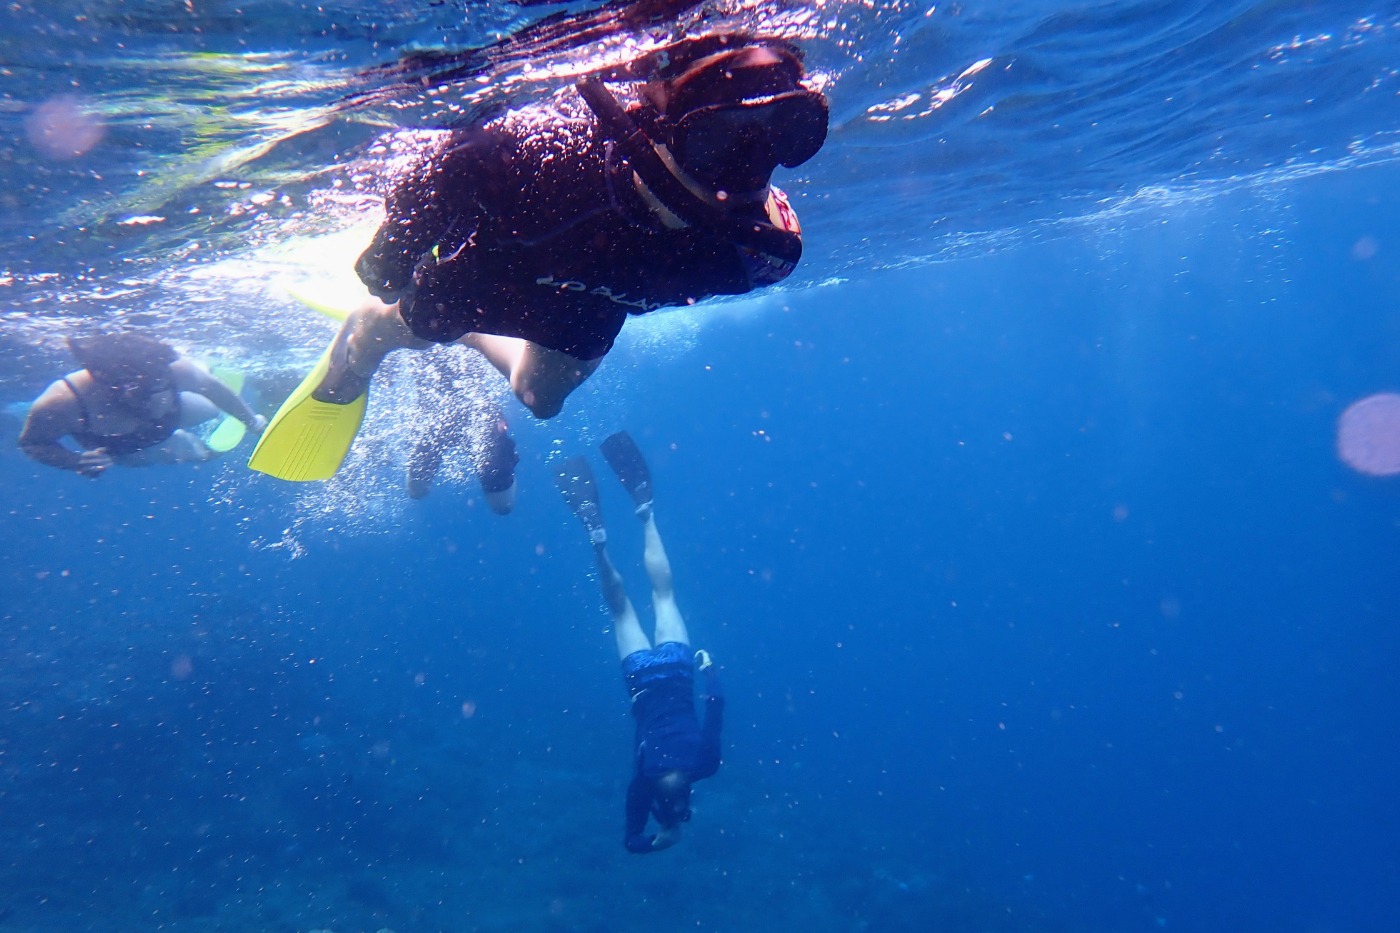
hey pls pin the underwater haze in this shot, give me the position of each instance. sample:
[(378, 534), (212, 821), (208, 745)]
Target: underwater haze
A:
[(1050, 564)]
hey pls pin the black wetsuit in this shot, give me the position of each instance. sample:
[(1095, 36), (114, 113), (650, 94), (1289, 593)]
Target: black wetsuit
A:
[(669, 736), (148, 433), (530, 226)]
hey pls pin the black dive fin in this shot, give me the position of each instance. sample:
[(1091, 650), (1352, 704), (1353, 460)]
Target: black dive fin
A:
[(576, 484), (630, 466)]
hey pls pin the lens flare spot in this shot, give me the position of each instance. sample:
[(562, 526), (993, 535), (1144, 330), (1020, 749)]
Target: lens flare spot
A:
[(63, 127), (1368, 435)]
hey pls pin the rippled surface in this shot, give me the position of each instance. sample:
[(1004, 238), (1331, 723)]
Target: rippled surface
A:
[(151, 146)]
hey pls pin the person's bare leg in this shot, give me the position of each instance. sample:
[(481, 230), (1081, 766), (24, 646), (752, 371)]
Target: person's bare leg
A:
[(501, 352), (180, 447), (370, 333), (424, 461), (195, 409), (626, 627), (670, 626), (540, 377)]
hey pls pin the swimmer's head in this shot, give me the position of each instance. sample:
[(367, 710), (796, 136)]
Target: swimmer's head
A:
[(134, 367), (671, 803), (734, 115)]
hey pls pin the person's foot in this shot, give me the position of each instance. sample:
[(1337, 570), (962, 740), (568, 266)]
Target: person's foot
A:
[(644, 511), (343, 383), (423, 463), (592, 518), (497, 474), (416, 486), (501, 501)]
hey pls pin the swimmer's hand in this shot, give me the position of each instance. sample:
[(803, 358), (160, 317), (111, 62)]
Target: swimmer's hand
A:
[(258, 425), (93, 463), (703, 660), (665, 837)]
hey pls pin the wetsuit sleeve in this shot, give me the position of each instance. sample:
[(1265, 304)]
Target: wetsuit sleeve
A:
[(713, 703), (638, 807), (427, 200)]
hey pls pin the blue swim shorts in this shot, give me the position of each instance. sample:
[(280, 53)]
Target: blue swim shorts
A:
[(668, 661)]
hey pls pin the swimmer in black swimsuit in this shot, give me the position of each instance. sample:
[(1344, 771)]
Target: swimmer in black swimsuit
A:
[(533, 237), (129, 404), (673, 748)]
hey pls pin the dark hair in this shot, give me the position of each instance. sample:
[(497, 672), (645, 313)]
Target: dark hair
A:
[(671, 799), (734, 77), (119, 361)]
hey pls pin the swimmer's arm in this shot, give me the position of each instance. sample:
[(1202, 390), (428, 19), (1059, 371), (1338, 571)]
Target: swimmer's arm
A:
[(666, 837), (52, 417), (712, 702), (638, 806), (192, 377)]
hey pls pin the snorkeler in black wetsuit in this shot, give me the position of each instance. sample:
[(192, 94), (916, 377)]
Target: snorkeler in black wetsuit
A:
[(127, 405), (673, 747), (533, 237)]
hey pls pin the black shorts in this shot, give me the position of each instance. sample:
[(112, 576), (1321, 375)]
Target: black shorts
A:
[(442, 309)]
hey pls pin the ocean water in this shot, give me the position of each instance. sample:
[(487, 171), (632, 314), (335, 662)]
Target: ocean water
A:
[(1018, 521)]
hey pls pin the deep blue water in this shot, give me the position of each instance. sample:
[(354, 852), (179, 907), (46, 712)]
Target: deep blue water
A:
[(1042, 598)]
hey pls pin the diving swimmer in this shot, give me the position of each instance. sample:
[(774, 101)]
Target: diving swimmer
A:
[(673, 748), (130, 404)]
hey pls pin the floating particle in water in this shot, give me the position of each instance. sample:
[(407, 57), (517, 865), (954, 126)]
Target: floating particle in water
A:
[(1368, 435), (63, 127), (182, 667)]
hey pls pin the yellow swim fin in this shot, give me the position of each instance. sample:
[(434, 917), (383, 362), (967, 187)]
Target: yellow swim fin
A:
[(336, 310), (227, 435), (230, 430), (308, 439)]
